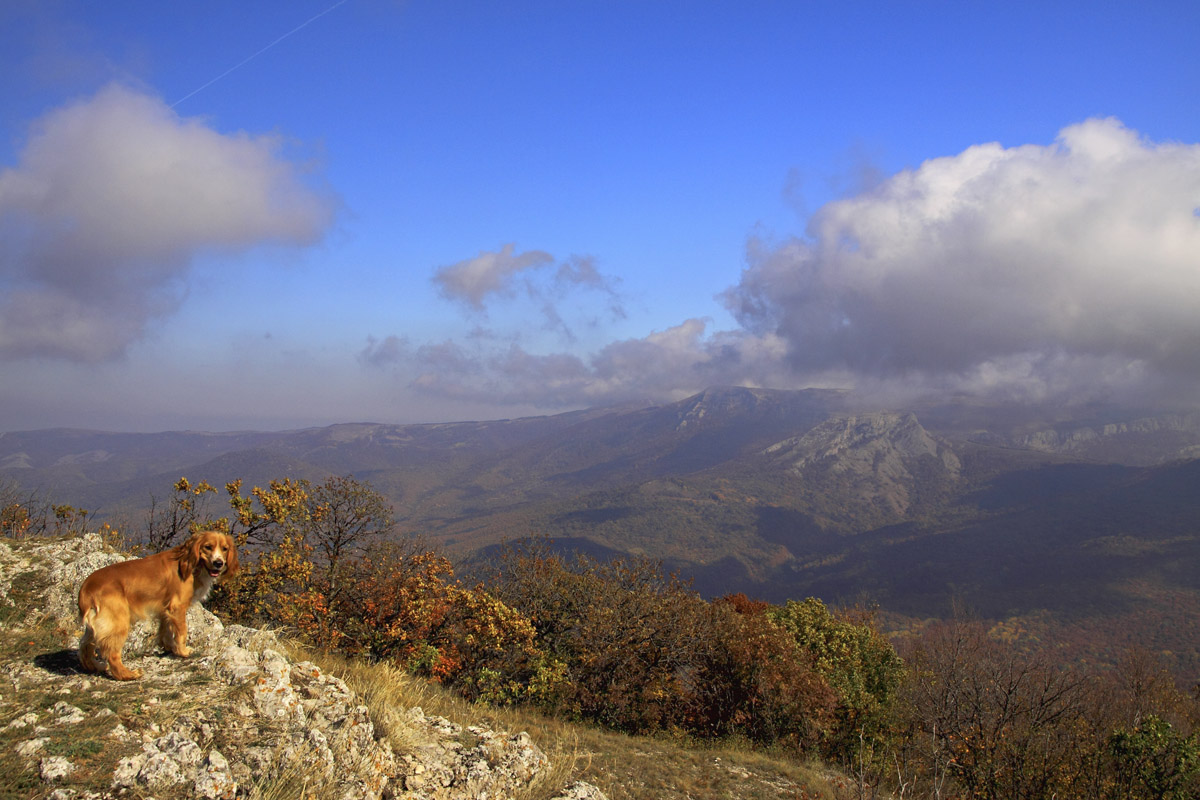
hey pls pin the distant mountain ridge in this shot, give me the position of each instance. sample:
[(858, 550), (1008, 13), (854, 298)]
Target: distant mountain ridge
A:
[(1174, 432), (775, 493)]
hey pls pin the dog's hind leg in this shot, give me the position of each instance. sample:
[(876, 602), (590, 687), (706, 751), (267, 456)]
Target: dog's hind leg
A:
[(118, 669), (109, 631)]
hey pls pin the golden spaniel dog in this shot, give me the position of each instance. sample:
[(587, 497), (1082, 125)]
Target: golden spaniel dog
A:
[(163, 585)]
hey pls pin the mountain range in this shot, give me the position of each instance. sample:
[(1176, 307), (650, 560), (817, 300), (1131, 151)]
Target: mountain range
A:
[(1081, 515)]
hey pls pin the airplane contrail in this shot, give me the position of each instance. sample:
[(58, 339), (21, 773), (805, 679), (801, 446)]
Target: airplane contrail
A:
[(253, 56)]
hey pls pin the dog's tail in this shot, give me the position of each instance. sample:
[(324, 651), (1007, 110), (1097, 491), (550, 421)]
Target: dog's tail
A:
[(87, 643), (89, 607)]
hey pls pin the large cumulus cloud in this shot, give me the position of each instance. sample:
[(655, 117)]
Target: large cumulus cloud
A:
[(1068, 270), (111, 200)]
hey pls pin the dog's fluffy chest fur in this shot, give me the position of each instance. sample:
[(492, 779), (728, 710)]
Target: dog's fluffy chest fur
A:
[(202, 584)]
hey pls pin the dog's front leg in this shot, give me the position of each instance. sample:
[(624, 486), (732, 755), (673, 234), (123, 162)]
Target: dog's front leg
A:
[(172, 630)]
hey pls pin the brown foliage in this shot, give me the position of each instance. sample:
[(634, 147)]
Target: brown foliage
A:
[(966, 714), (753, 681), (400, 604), (987, 719), (643, 652)]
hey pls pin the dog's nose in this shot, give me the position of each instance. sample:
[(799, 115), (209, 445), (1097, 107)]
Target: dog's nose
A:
[(218, 563)]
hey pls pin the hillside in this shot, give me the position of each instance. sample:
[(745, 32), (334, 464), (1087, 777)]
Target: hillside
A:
[(250, 716), (1081, 515)]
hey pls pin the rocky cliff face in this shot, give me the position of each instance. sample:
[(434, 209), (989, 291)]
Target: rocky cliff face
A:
[(236, 717), (871, 465), (1144, 441)]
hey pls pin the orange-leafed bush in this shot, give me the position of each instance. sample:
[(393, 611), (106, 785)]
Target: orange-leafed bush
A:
[(414, 612), (274, 587), (400, 605), (753, 681), (15, 520)]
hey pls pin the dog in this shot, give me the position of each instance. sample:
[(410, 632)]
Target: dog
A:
[(163, 585)]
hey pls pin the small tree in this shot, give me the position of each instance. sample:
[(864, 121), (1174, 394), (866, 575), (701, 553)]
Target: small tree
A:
[(343, 518), (860, 665), (29, 514), (1154, 761), (281, 508), (181, 515), (15, 518), (627, 633), (1003, 722)]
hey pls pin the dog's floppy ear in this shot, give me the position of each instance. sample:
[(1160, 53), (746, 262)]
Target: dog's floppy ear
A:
[(231, 561), (189, 557)]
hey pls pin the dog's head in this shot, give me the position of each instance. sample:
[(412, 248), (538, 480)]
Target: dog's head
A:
[(212, 552)]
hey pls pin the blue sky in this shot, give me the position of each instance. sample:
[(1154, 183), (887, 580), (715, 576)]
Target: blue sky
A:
[(272, 215)]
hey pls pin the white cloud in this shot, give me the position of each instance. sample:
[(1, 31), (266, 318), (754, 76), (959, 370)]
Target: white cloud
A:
[(473, 280), (1068, 269), (111, 199), (668, 364), (507, 275)]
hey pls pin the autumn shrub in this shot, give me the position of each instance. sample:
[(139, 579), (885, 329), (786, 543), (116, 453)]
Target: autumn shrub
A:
[(275, 587), (497, 650), (752, 681), (28, 514), (627, 634), (15, 520), (408, 608), (859, 664), (990, 719), (643, 652), (398, 604)]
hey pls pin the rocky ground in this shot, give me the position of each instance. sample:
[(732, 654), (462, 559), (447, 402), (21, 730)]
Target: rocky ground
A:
[(239, 719)]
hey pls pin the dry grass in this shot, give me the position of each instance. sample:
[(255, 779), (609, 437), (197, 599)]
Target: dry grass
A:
[(296, 780), (624, 767), (387, 692)]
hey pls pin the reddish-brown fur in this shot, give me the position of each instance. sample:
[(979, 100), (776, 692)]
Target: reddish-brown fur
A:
[(163, 585)]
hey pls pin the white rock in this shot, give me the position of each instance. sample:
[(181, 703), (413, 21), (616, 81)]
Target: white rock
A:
[(29, 748), (56, 768), (65, 714), (23, 721)]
